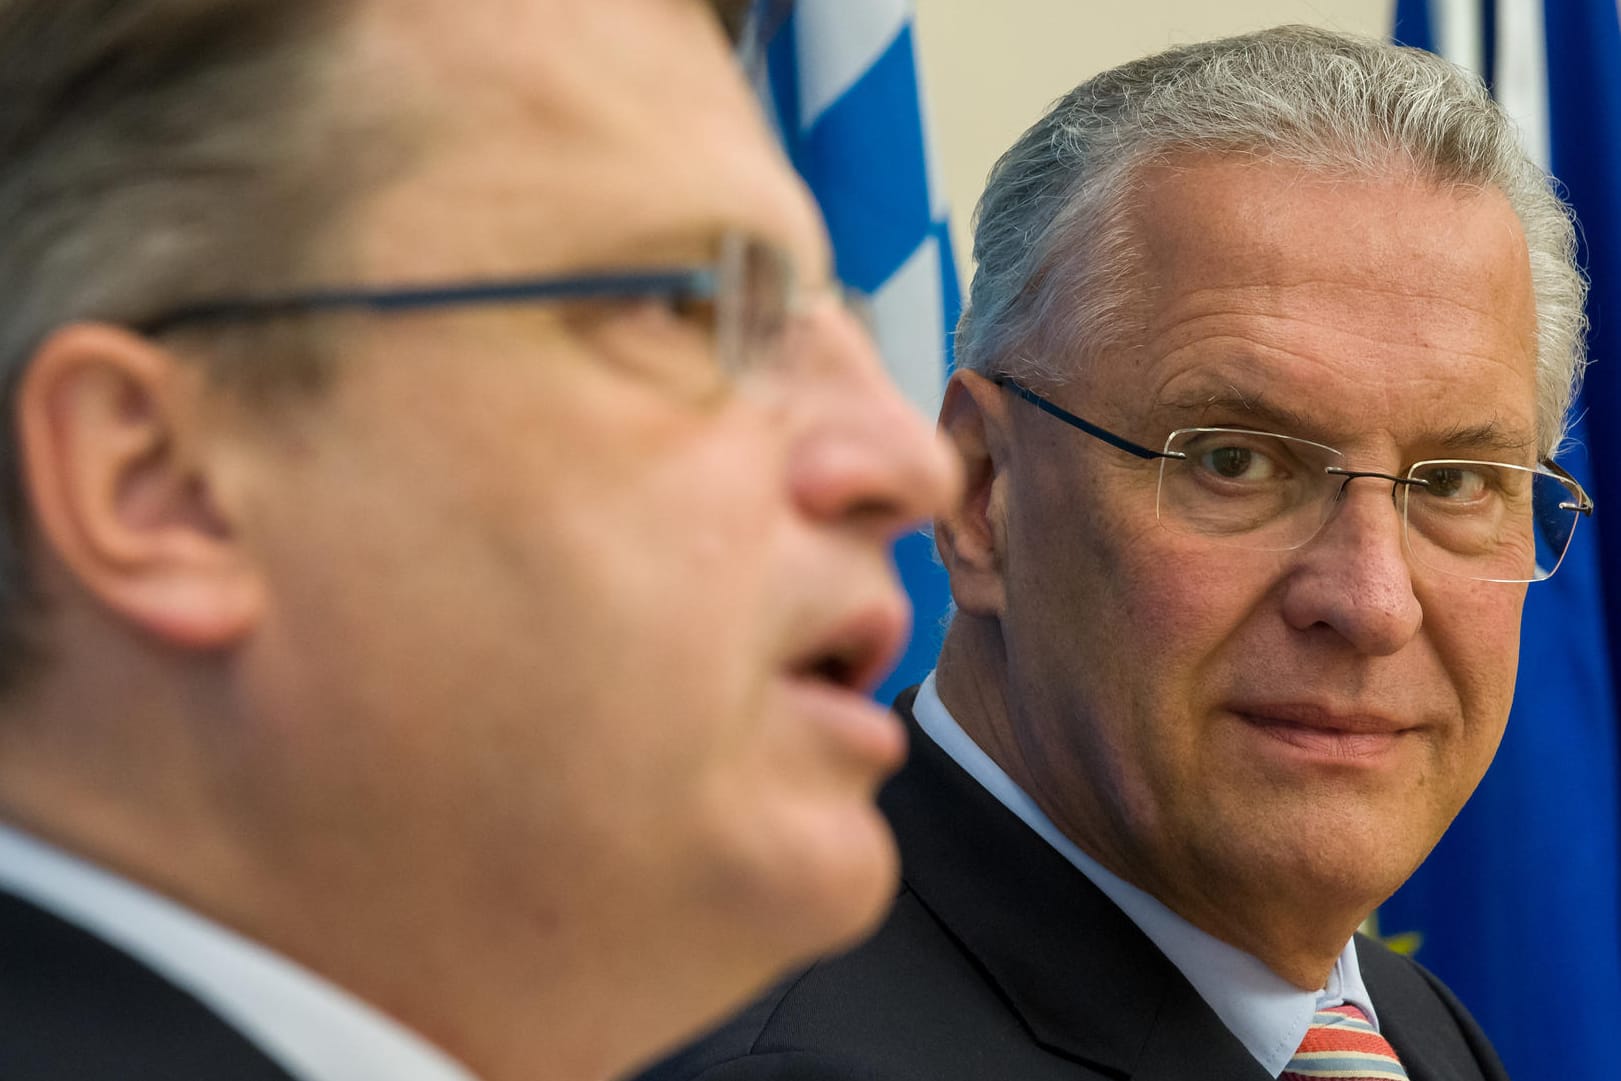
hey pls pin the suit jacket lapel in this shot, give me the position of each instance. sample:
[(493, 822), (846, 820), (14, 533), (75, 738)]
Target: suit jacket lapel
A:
[(1432, 1042), (1086, 982), (74, 1008)]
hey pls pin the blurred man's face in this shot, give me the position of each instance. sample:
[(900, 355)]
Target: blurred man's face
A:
[(583, 630), (1245, 733)]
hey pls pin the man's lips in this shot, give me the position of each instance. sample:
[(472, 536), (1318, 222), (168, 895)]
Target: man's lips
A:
[(1326, 732), (857, 651), (831, 681)]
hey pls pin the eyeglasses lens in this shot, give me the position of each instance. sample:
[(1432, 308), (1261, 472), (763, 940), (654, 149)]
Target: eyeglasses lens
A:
[(1481, 520)]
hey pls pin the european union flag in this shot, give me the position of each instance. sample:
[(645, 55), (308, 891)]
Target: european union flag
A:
[(1519, 908)]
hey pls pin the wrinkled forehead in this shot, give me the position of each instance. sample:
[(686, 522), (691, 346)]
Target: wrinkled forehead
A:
[(1225, 218), (1387, 294)]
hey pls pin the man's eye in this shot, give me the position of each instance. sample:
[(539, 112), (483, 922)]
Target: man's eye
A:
[(1237, 462), (679, 315), (1456, 483), (699, 312)]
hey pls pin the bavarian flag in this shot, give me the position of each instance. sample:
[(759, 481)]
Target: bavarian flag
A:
[(843, 85)]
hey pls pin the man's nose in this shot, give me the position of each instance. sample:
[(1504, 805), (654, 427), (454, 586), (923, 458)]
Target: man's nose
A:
[(1354, 578), (866, 454)]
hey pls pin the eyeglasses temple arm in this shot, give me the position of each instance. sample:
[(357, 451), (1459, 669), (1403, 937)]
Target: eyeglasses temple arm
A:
[(1074, 421), (681, 281), (1584, 502)]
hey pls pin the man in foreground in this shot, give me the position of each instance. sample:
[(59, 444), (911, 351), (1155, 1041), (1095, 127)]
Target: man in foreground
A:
[(1265, 364), (445, 555)]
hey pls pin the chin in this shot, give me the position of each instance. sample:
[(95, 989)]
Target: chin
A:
[(819, 884)]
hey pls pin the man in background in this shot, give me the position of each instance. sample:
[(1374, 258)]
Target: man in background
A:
[(446, 542), (1265, 364)]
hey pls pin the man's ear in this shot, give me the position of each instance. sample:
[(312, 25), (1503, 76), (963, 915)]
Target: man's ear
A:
[(974, 417), (117, 471)]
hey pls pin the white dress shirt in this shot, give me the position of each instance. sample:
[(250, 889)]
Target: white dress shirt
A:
[(312, 1028), (1267, 1013)]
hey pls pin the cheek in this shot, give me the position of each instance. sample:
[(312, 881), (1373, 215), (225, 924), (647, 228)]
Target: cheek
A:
[(1186, 617), (678, 571), (1476, 635), (1169, 608), (1109, 600), (1129, 628), (622, 544)]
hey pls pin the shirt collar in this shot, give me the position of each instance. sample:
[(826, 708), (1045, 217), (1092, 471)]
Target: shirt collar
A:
[(315, 1030), (1267, 1014)]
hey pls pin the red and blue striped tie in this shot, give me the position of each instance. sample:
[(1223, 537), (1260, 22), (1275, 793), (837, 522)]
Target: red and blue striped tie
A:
[(1342, 1044)]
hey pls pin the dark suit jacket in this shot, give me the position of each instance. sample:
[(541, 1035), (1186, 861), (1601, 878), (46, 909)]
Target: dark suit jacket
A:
[(1002, 962), (73, 1008)]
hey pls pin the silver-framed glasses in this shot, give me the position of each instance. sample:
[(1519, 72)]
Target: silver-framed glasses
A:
[(1486, 521)]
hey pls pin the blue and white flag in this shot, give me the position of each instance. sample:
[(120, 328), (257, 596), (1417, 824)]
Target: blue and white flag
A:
[(1519, 908), (844, 87)]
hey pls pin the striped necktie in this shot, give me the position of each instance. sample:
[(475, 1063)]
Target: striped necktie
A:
[(1342, 1044)]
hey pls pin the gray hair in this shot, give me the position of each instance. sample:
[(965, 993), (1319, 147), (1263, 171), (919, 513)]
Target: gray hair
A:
[(151, 152), (1052, 233)]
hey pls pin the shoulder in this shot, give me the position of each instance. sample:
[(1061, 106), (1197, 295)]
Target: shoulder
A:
[(766, 1041), (72, 1006), (1422, 1018), (768, 1066), (907, 1005)]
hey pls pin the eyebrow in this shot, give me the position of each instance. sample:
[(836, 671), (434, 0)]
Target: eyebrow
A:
[(670, 245), (1488, 438), (1230, 399)]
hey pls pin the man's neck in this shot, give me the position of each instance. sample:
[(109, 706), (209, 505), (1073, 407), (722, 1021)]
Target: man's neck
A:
[(972, 680)]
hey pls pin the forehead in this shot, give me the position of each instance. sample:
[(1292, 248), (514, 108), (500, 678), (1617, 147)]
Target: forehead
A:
[(1351, 306), (554, 132)]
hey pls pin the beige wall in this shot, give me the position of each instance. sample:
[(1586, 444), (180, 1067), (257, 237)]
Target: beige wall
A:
[(991, 66)]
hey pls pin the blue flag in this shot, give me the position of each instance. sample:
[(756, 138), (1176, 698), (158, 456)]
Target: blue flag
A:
[(844, 87), (1519, 908)]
